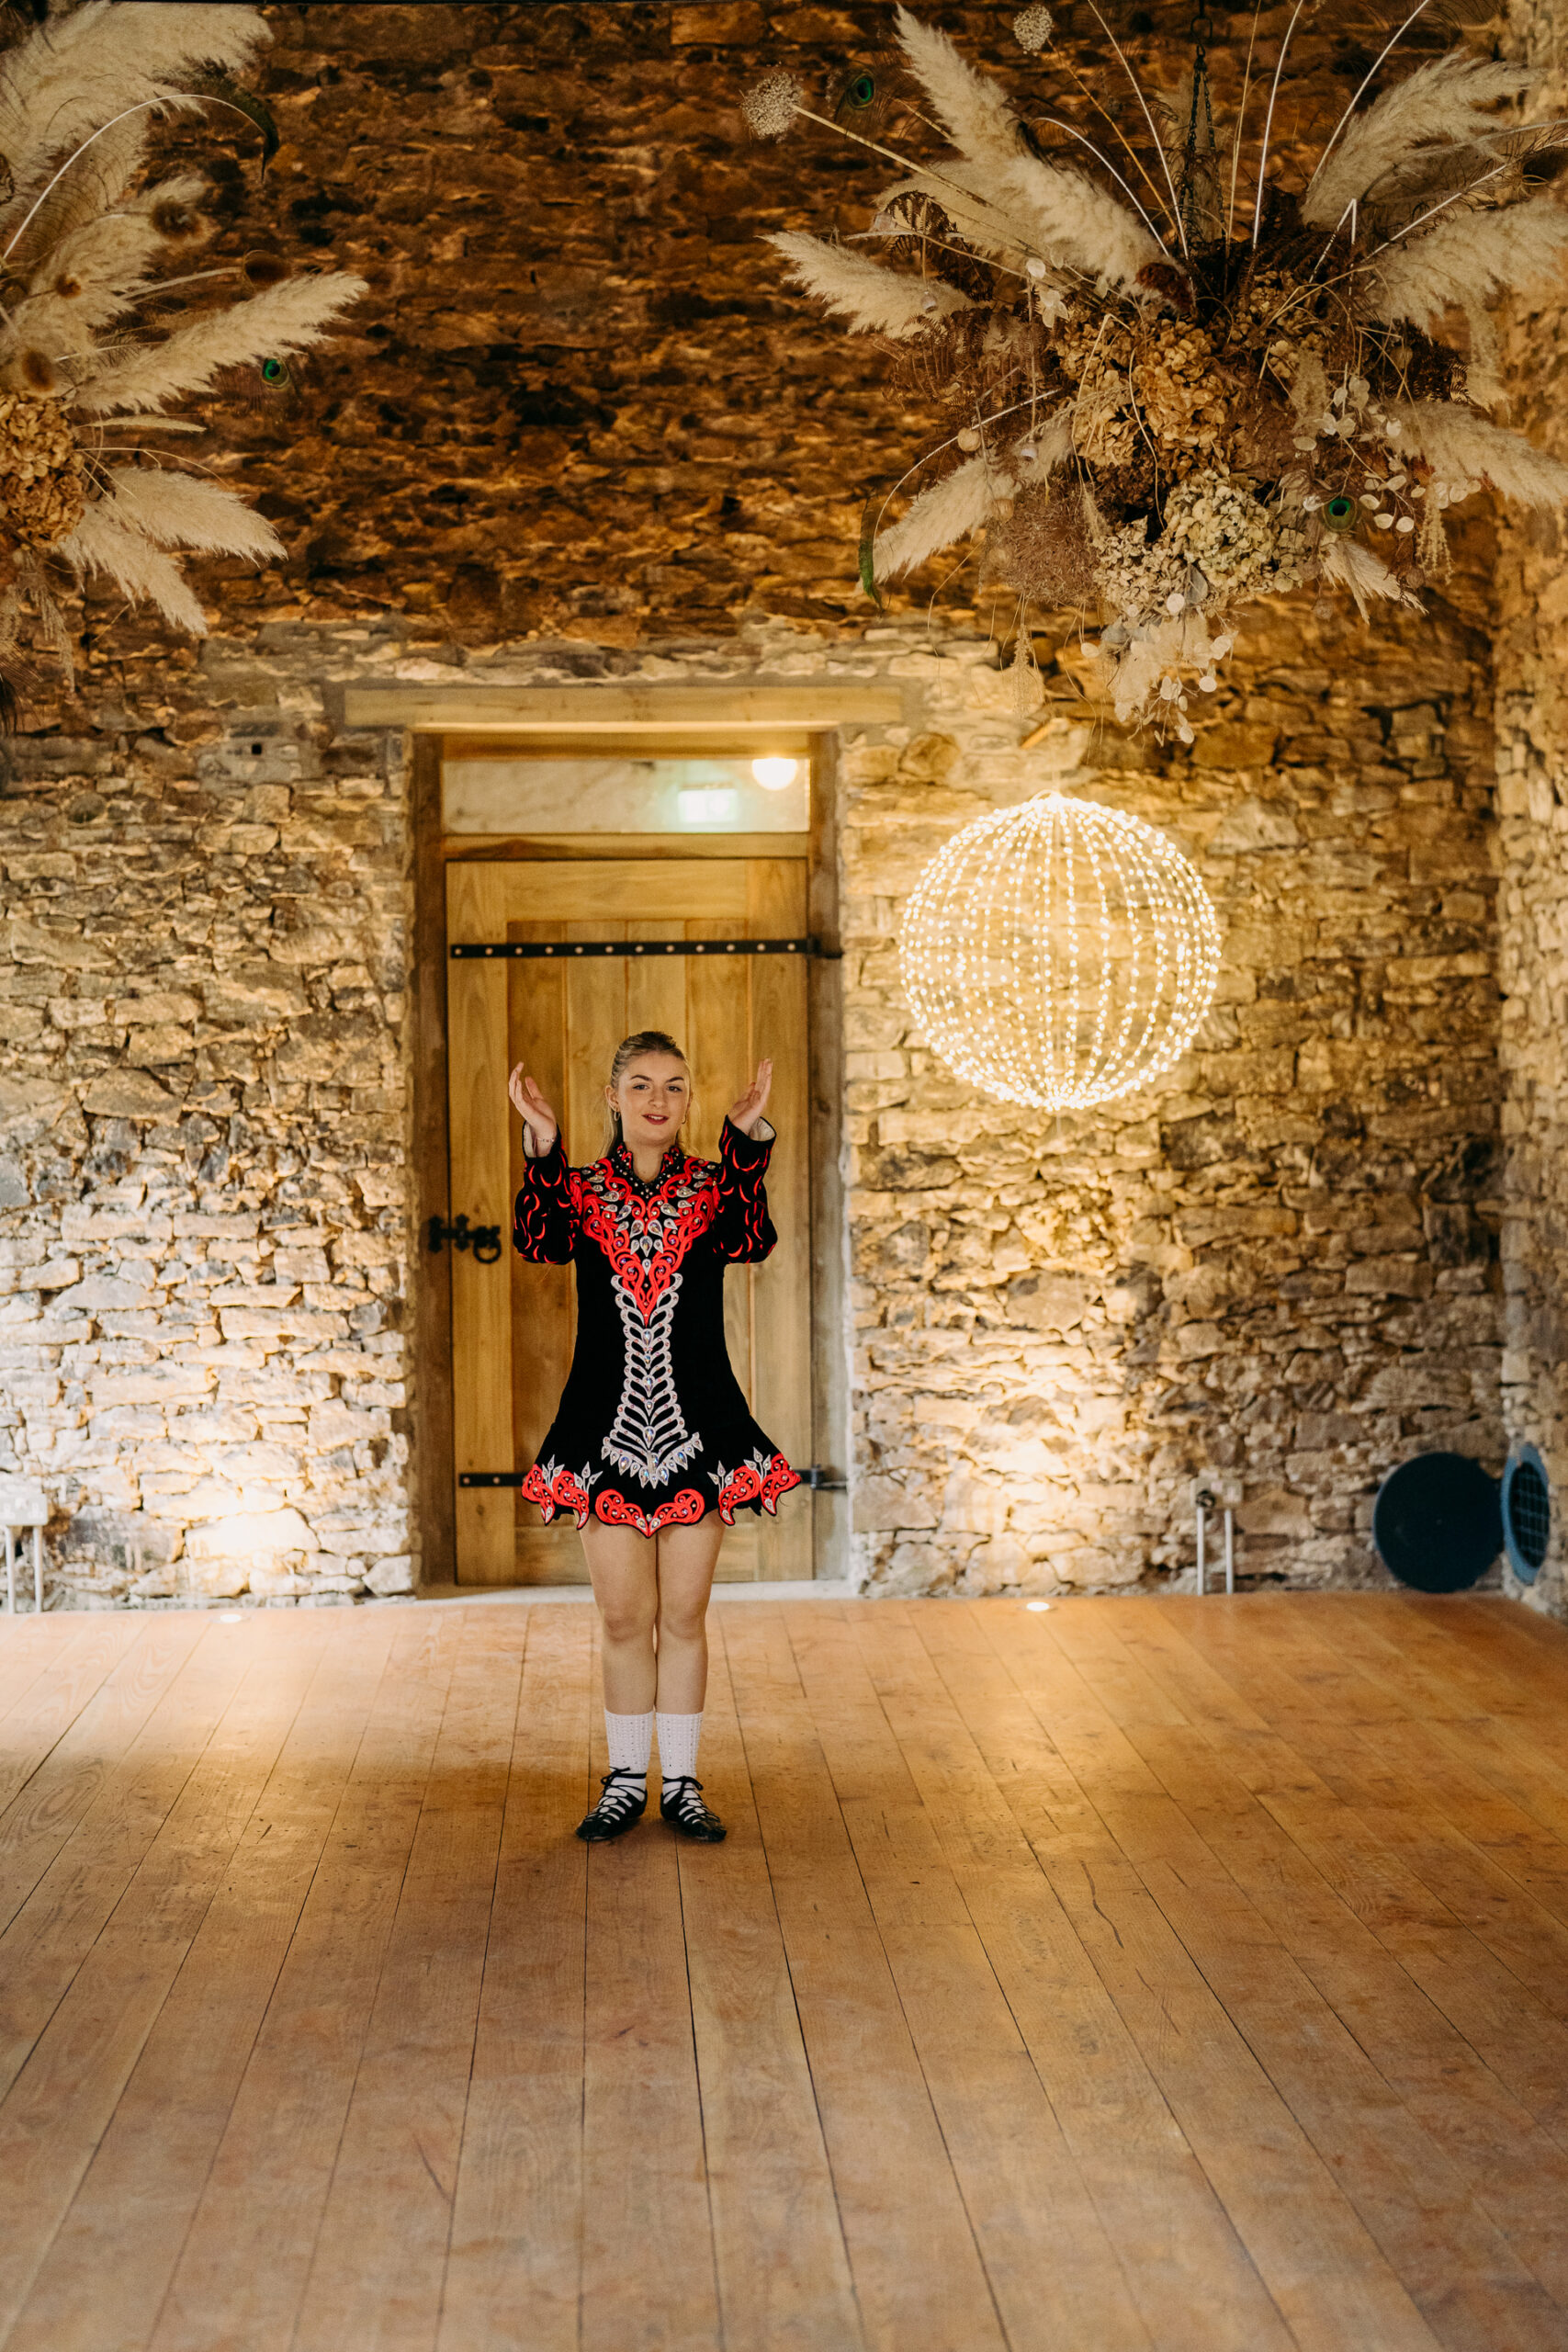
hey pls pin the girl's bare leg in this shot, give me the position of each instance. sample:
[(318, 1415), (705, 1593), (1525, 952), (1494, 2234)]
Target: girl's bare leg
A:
[(687, 1558), (624, 1569)]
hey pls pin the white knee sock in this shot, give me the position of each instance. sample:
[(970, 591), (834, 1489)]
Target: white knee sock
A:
[(630, 1741), (678, 1737)]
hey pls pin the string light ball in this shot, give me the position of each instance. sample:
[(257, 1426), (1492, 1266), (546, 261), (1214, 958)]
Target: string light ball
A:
[(1060, 953)]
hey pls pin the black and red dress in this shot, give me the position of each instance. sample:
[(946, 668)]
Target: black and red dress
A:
[(652, 1428)]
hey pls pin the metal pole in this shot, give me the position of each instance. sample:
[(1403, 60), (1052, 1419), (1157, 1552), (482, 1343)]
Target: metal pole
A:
[(1230, 1551), (1200, 1504), (37, 1570), (10, 1571)]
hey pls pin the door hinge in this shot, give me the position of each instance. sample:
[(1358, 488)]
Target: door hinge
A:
[(484, 1240), (822, 1482)]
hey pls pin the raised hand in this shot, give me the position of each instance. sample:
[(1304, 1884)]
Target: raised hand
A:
[(536, 1113), (745, 1113)]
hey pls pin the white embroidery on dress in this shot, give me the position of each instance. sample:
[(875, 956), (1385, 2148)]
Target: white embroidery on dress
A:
[(644, 1238), (649, 1439)]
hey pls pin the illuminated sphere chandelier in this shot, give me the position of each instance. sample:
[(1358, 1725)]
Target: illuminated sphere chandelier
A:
[(1059, 954)]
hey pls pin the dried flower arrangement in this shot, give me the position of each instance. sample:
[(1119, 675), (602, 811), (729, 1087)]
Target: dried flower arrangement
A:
[(1173, 394), (97, 336)]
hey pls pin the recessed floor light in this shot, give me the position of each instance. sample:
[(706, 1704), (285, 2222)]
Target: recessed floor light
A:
[(1036, 1606)]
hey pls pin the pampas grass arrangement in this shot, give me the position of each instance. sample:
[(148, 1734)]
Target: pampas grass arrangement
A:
[(96, 342), (1173, 392)]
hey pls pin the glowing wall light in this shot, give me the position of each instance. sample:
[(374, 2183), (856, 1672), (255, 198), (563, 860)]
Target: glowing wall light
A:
[(1059, 954), (774, 775)]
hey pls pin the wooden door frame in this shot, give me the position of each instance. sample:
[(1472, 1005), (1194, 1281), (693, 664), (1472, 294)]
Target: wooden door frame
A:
[(815, 714)]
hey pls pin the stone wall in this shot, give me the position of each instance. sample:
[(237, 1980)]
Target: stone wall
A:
[(1531, 639), (569, 440), (1275, 1271), (202, 1247)]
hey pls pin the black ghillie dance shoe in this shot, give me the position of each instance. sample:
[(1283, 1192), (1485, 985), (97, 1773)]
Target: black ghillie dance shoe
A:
[(683, 1809), (623, 1805)]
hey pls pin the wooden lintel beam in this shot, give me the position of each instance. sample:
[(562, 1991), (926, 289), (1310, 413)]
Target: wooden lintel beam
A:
[(593, 709)]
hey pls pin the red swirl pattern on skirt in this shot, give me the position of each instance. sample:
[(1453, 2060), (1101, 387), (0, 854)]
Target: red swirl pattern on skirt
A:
[(554, 1489), (757, 1481), (682, 1511)]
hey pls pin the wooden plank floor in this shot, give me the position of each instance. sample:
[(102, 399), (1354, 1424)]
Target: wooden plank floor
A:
[(1137, 1976)]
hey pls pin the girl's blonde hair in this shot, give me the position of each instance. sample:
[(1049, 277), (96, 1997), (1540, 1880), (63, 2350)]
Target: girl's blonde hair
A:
[(631, 1049)]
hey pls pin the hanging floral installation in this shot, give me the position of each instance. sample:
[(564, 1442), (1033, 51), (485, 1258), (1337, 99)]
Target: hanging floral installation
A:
[(107, 316), (1176, 386)]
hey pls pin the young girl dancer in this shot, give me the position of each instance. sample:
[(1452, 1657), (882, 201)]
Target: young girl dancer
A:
[(652, 1448)]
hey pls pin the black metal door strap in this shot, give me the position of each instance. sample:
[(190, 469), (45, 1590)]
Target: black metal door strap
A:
[(484, 1240), (465, 950)]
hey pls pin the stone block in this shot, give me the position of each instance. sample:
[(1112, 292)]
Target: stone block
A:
[(1252, 823), (918, 1568), (1047, 1302), (1389, 1277), (878, 1504), (1229, 745), (128, 1094), (973, 1506), (270, 1579), (242, 1535), (216, 1579), (393, 1574)]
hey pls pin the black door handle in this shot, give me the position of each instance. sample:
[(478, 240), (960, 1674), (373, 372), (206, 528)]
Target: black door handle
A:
[(484, 1240)]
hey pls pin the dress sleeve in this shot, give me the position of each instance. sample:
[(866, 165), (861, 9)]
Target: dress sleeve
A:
[(544, 1220), (743, 1231)]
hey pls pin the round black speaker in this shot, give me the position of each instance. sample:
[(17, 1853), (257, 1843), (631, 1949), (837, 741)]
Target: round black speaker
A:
[(1437, 1522), (1526, 1513)]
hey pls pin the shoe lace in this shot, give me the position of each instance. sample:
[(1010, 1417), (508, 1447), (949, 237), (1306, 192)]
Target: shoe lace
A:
[(616, 1800), (687, 1800)]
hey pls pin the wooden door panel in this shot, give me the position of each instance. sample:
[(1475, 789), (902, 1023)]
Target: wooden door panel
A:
[(595, 1024), (656, 989), (543, 1309), (599, 890), (513, 1335), (780, 1336), (481, 1316), (718, 1043)]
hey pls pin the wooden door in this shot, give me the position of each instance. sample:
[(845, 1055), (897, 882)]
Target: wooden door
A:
[(513, 1324)]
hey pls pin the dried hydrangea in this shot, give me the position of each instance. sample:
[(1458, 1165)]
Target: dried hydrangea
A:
[(1031, 28), (1139, 580), (42, 493), (1149, 397), (1237, 544)]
